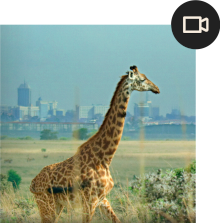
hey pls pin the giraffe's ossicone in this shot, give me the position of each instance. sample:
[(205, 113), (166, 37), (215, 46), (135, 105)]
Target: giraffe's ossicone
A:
[(84, 179)]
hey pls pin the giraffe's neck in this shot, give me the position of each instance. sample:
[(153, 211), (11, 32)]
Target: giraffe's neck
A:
[(109, 135)]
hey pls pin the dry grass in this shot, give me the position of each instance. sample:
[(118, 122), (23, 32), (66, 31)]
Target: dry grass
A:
[(126, 163)]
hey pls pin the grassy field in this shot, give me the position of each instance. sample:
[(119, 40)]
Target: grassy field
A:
[(131, 158)]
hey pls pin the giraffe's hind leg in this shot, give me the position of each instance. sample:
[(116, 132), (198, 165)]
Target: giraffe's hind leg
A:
[(89, 204), (107, 210), (47, 207)]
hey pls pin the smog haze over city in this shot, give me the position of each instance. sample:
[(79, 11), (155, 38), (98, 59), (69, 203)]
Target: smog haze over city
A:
[(83, 64)]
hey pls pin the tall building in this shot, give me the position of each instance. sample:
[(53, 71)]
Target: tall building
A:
[(24, 112), (100, 109), (46, 108), (141, 110), (155, 112), (24, 95), (175, 112), (6, 109), (60, 112), (86, 113)]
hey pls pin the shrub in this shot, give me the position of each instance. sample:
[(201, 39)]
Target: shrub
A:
[(14, 178), (43, 150), (25, 138), (47, 134), (64, 138), (80, 133), (25, 205), (169, 195), (125, 138), (28, 138), (4, 184), (191, 168)]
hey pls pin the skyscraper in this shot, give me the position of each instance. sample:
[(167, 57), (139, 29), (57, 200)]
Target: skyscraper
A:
[(24, 95), (46, 107), (141, 110)]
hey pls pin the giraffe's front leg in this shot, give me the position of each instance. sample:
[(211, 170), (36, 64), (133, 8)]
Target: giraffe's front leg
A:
[(89, 204), (108, 211)]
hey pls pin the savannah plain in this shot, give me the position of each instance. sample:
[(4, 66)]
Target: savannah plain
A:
[(131, 158)]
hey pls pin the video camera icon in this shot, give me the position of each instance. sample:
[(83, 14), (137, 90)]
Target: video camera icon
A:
[(196, 20)]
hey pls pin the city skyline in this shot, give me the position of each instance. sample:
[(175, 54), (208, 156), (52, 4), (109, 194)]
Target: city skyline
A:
[(82, 64)]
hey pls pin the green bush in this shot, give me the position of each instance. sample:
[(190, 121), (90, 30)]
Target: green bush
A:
[(28, 138), (47, 134), (43, 150), (125, 138), (80, 134), (191, 168), (64, 138), (25, 138), (14, 178)]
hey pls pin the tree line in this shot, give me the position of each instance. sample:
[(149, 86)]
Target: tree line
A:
[(81, 134)]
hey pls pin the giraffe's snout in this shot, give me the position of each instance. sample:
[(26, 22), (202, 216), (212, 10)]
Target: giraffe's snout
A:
[(156, 90)]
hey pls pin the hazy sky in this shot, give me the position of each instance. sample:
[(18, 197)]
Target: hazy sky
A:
[(82, 64)]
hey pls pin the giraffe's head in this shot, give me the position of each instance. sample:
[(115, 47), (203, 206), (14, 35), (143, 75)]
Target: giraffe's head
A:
[(140, 82)]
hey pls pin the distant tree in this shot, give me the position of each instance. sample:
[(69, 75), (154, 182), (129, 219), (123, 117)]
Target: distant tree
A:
[(25, 138), (80, 133), (90, 134), (47, 134), (64, 138), (14, 178), (125, 138)]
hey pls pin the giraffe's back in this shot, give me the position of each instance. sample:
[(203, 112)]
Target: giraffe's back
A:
[(60, 174)]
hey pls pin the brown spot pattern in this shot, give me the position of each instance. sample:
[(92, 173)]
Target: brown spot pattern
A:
[(120, 124), (114, 119), (116, 141), (100, 154), (99, 142), (110, 151), (105, 144), (110, 132), (95, 149)]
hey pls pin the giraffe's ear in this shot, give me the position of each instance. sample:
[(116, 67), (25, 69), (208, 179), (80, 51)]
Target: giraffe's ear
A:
[(131, 75)]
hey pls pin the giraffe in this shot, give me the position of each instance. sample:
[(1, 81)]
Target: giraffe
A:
[(85, 177)]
